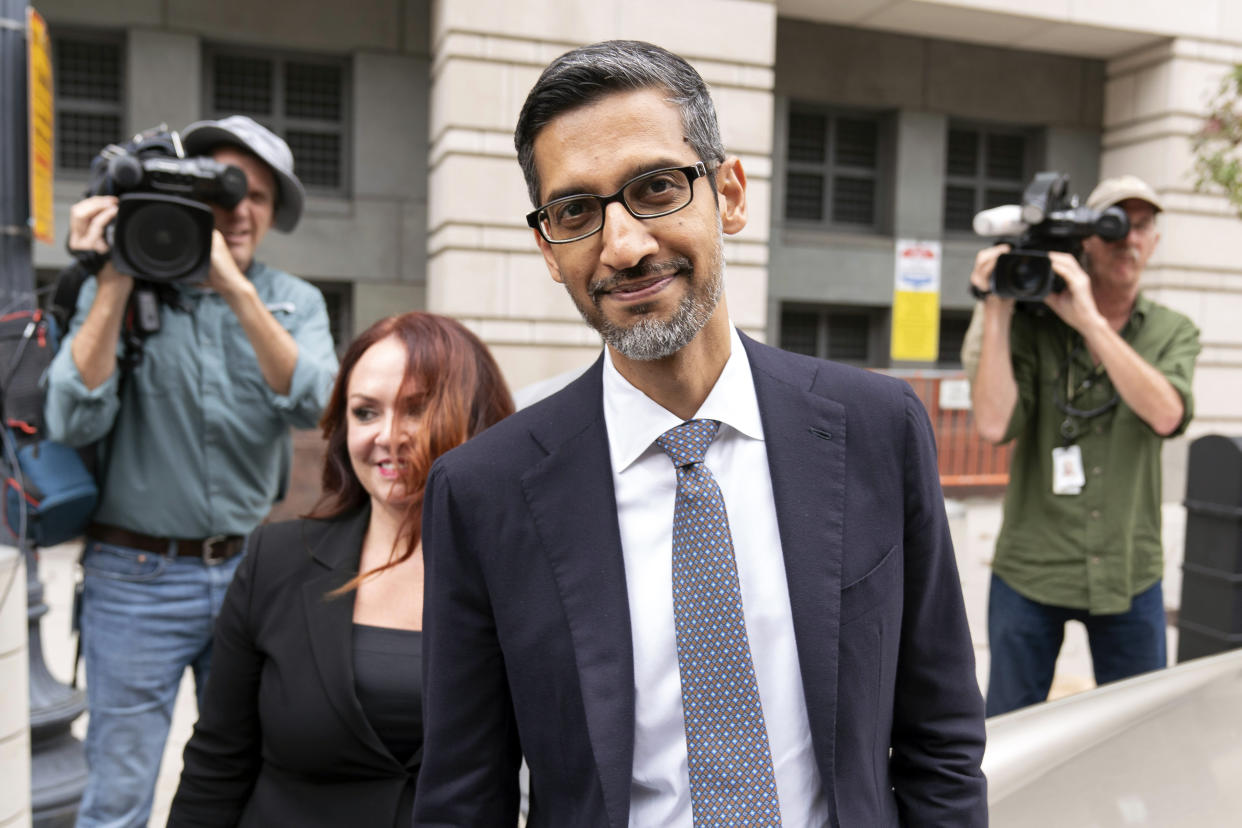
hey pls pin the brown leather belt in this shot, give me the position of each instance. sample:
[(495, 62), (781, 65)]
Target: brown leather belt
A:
[(213, 550)]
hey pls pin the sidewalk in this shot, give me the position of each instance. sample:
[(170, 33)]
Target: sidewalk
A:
[(973, 522)]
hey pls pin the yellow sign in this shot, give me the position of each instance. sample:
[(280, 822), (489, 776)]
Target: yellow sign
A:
[(41, 147), (916, 326), (916, 302)]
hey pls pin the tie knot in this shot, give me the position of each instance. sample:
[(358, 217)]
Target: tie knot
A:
[(687, 443)]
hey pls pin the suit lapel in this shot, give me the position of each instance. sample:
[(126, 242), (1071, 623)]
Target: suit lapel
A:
[(573, 505), (805, 434), (330, 622)]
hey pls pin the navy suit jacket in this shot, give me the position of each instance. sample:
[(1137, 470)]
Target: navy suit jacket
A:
[(527, 644)]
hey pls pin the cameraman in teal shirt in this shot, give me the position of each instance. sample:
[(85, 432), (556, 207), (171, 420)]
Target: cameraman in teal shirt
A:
[(1090, 391), (196, 448)]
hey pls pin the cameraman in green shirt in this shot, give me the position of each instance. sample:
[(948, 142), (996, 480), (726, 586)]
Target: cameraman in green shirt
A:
[(1089, 391)]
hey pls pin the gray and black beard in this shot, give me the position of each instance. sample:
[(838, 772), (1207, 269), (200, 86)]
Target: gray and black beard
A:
[(650, 339)]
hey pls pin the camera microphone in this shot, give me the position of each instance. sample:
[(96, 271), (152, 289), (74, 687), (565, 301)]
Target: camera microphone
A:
[(1005, 220)]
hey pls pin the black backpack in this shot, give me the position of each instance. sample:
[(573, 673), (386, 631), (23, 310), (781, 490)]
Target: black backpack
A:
[(49, 494)]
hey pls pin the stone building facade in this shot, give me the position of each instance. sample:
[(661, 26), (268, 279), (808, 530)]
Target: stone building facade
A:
[(859, 122)]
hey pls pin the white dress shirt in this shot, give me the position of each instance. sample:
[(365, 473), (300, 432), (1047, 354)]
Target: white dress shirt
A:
[(646, 486)]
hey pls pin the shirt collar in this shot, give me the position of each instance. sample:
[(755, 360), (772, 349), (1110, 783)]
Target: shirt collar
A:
[(634, 420)]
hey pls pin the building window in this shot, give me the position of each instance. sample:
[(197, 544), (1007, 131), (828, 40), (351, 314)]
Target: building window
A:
[(984, 167), (953, 325), (339, 299), (841, 334), (302, 98), (833, 167), (89, 78)]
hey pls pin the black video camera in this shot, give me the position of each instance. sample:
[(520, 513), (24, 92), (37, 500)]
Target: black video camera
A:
[(162, 231), (1048, 219)]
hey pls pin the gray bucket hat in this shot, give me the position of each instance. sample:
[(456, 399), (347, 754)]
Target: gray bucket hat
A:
[(201, 137)]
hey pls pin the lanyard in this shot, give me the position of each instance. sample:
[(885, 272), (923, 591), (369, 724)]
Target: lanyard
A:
[(1070, 426)]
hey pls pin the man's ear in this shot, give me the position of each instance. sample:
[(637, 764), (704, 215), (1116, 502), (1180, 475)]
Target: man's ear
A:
[(731, 195), (546, 249)]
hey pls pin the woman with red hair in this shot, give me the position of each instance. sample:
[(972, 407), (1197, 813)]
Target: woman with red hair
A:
[(312, 712)]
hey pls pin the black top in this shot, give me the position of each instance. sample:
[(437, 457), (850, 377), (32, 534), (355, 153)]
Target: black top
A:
[(281, 737), (388, 681)]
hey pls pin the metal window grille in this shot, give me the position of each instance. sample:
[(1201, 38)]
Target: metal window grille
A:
[(832, 168), (301, 98), (800, 332), (984, 167), (89, 82), (339, 299), (829, 333), (953, 325), (849, 337)]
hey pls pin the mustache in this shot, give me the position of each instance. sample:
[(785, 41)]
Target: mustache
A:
[(642, 270)]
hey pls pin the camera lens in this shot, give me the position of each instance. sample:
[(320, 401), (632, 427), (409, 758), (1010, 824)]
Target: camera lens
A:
[(161, 240), (1024, 275), (1027, 278)]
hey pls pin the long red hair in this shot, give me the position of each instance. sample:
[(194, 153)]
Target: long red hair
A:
[(453, 382)]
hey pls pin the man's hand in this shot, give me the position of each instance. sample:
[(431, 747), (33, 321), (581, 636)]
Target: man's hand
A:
[(87, 220), (274, 347), (225, 277), (1076, 304), (981, 276)]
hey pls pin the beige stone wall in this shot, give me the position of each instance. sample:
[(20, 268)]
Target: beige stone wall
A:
[(14, 693), (483, 266), (1153, 103)]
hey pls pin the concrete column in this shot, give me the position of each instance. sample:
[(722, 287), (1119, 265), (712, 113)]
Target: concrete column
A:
[(483, 266), (1076, 152), (14, 693), (390, 163), (164, 79), (918, 211), (1153, 102)]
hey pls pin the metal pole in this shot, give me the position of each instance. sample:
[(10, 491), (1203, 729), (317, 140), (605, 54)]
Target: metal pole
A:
[(16, 266), (57, 764)]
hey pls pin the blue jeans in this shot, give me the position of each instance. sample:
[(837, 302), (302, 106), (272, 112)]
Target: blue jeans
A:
[(145, 618), (1025, 636)]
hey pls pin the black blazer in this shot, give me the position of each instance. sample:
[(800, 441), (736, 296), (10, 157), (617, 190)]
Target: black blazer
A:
[(281, 738), (527, 646)]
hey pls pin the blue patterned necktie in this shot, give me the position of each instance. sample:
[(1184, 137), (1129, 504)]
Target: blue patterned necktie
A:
[(731, 777)]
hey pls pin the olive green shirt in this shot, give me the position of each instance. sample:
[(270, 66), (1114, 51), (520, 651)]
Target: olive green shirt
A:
[(1097, 549)]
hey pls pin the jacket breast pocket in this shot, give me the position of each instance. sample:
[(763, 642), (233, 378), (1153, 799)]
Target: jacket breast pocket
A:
[(879, 586)]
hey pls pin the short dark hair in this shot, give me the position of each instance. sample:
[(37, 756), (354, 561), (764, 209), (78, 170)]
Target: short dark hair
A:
[(585, 75)]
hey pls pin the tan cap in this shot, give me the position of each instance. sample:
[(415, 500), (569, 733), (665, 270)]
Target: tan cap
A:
[(1112, 191)]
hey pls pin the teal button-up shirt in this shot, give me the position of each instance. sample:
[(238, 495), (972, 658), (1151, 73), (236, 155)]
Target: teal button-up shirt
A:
[(201, 443)]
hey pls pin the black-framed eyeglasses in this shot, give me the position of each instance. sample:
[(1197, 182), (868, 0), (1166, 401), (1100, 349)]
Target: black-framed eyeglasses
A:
[(647, 196)]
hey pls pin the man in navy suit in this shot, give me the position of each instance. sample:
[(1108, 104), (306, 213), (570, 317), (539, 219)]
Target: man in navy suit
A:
[(568, 616)]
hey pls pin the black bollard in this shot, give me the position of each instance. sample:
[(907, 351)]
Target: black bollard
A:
[(57, 760), (1210, 618)]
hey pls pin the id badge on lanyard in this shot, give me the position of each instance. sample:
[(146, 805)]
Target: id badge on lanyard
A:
[(1068, 476), (1067, 473)]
